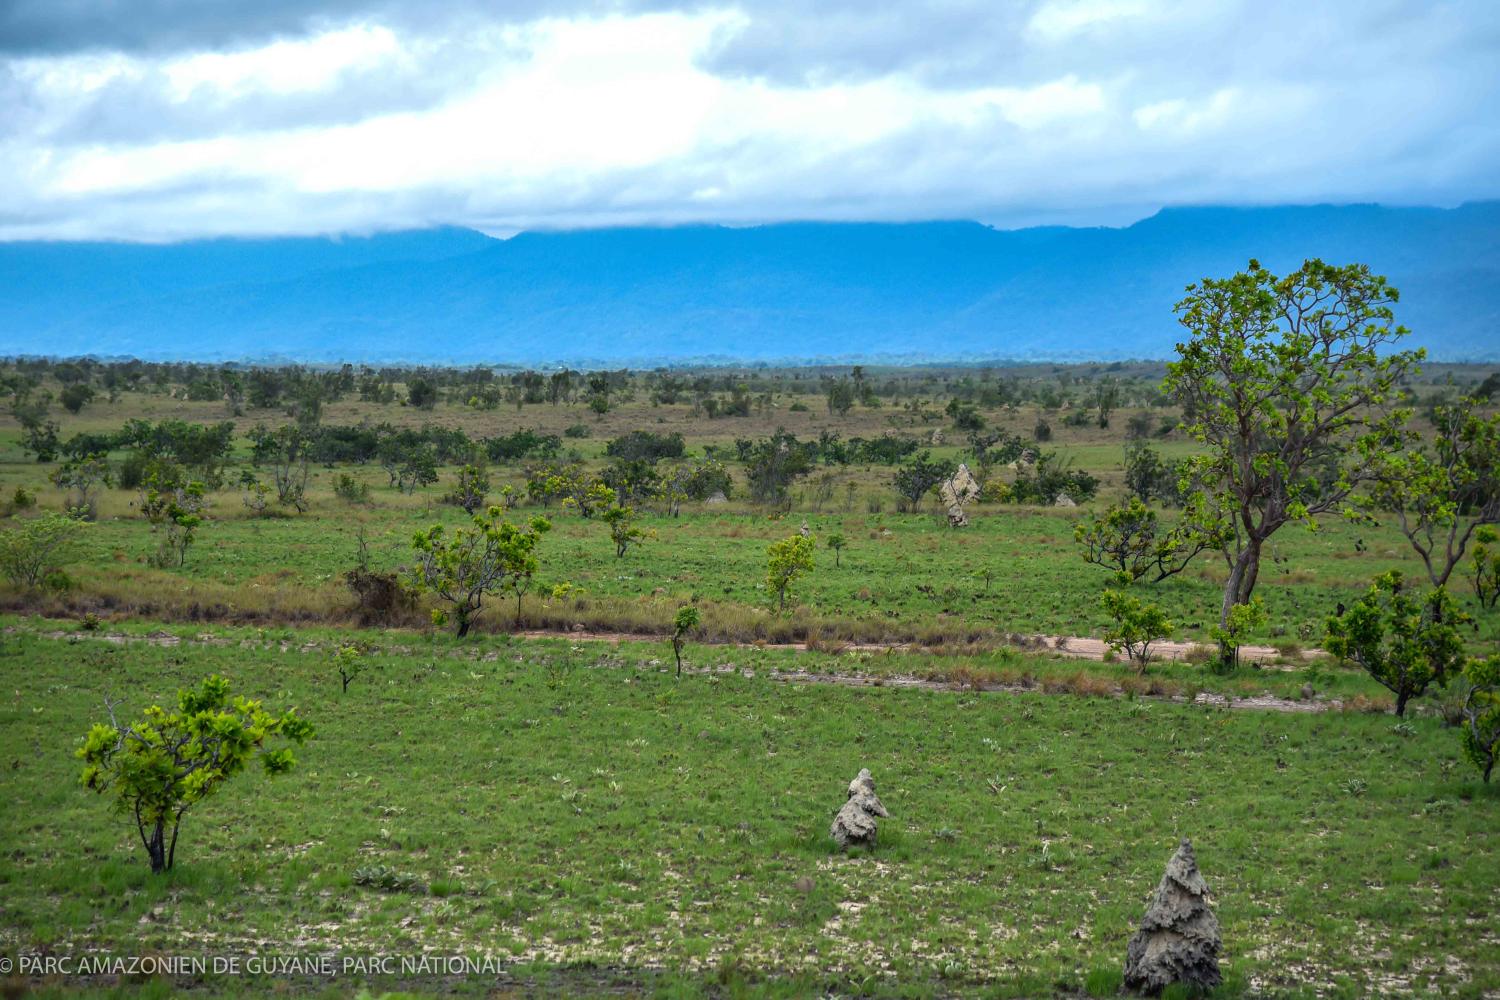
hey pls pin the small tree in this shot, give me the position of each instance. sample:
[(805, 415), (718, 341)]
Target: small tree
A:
[(1482, 713), (836, 543), (175, 509), (288, 452), (1232, 633), (76, 396), (160, 766), (1128, 539), (917, 477), (422, 394), (1442, 496), (685, 621), (486, 557), (1136, 624), (787, 560), (1485, 568), (622, 527), (36, 548), (1404, 642), (84, 479), (470, 489), (349, 664)]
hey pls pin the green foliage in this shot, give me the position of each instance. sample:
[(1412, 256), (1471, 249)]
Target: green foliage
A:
[(160, 766), (1050, 478), (76, 396), (471, 485), (351, 490), (1481, 713), (1485, 567), (647, 446), (83, 479), (1231, 634), (623, 530), (585, 494), (175, 509), (787, 560), (836, 543), (919, 476), (1402, 641), (1443, 494), (35, 549), (685, 621), (1128, 539), (1289, 382), (421, 393), (489, 556), (841, 396), (387, 878), (348, 662), (1134, 625)]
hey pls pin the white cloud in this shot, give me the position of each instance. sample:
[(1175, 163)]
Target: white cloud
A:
[(1074, 107)]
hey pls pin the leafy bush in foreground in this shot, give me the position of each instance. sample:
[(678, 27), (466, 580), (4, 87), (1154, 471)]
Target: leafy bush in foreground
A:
[(163, 764)]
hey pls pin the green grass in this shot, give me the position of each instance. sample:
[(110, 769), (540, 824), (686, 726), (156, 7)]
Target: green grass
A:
[(1015, 570), (573, 806)]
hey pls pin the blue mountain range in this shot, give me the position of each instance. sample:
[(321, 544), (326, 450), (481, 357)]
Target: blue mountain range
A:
[(928, 291)]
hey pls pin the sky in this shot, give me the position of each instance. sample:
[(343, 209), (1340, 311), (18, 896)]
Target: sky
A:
[(161, 120)]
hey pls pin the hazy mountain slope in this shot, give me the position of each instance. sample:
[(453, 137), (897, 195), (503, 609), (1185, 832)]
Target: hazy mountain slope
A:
[(939, 290)]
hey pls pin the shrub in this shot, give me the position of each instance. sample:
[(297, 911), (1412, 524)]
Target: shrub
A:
[(1136, 624), (917, 477), (1404, 642), (622, 527), (348, 662), (35, 549), (351, 490), (1050, 478), (787, 560), (646, 446), (176, 510), (576, 431), (836, 543), (1481, 715), (489, 556), (1241, 621), (83, 478), (1128, 539), (1485, 565), (470, 488), (685, 621), (167, 762)]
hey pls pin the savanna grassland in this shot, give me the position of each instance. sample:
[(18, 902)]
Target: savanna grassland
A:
[(577, 810), (550, 792)]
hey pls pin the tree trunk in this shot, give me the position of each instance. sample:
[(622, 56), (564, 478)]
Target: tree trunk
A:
[(1401, 699), (463, 624), (156, 848), (1241, 582)]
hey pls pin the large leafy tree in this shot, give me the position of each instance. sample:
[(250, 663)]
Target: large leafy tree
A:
[(1292, 384), (163, 764), (1442, 494), (488, 556)]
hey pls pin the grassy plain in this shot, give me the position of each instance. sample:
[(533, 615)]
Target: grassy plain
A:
[(902, 578), (575, 809)]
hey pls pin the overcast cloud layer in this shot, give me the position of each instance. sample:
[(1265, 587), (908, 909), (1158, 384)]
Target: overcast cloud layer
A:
[(165, 119)]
